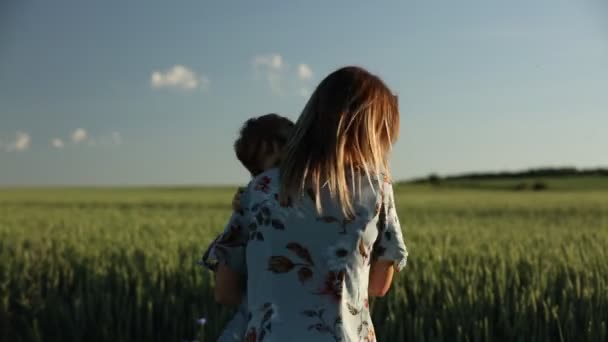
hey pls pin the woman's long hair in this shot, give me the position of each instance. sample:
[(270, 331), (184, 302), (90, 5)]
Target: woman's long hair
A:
[(348, 125)]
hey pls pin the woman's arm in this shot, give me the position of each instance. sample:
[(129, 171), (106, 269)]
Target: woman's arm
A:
[(389, 253), (228, 286), (380, 278)]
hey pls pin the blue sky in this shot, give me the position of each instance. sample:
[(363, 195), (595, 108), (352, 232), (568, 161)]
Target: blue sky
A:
[(147, 92)]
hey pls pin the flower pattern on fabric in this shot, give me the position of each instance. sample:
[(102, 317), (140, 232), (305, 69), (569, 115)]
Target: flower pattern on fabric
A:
[(333, 285), (336, 256), (314, 267), (342, 223), (268, 311), (283, 264), (229, 248), (261, 217), (262, 184), (321, 325)]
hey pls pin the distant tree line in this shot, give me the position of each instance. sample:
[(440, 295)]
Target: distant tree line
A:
[(531, 173)]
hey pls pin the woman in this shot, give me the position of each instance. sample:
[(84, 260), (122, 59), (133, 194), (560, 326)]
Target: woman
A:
[(321, 231)]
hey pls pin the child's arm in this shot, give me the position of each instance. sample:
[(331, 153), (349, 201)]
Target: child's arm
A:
[(236, 200), (228, 286), (229, 254), (209, 259)]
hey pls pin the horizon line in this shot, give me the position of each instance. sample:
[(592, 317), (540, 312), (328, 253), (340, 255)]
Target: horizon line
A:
[(226, 185)]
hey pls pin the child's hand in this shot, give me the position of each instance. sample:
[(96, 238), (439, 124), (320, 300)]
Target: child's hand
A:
[(236, 200)]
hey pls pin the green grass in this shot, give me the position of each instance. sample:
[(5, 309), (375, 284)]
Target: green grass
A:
[(119, 265)]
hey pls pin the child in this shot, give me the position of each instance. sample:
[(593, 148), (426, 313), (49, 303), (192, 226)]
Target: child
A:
[(258, 148)]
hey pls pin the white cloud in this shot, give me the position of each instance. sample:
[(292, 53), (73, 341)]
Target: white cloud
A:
[(79, 135), (179, 77), (272, 61), (271, 67), (21, 143), (57, 143), (304, 72), (275, 71)]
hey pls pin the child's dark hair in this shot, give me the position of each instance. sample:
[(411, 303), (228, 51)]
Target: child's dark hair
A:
[(259, 135)]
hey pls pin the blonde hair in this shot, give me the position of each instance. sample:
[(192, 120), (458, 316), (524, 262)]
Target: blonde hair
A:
[(348, 125)]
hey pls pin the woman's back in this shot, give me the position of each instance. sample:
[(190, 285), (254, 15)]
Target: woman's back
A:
[(309, 272)]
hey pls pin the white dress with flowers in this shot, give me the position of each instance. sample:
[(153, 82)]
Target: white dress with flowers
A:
[(307, 273)]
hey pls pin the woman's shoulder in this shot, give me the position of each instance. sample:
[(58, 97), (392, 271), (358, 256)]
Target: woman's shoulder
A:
[(264, 183), (374, 181), (268, 177)]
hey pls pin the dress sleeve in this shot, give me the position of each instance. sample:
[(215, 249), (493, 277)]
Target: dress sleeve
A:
[(389, 244), (229, 247)]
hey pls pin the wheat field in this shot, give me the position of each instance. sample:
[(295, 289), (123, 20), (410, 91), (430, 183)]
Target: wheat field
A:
[(119, 264)]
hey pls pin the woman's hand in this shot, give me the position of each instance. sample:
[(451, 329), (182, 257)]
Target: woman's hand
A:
[(236, 200)]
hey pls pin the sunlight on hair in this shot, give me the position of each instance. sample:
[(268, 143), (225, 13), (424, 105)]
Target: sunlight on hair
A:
[(348, 126)]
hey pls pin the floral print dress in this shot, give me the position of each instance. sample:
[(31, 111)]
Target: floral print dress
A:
[(307, 273), (230, 241)]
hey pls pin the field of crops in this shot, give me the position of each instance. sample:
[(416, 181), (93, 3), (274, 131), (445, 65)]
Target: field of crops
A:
[(485, 265)]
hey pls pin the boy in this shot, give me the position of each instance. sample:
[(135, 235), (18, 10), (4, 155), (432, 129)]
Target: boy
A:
[(258, 148)]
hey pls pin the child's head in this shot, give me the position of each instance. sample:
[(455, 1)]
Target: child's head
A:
[(349, 123), (261, 141)]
